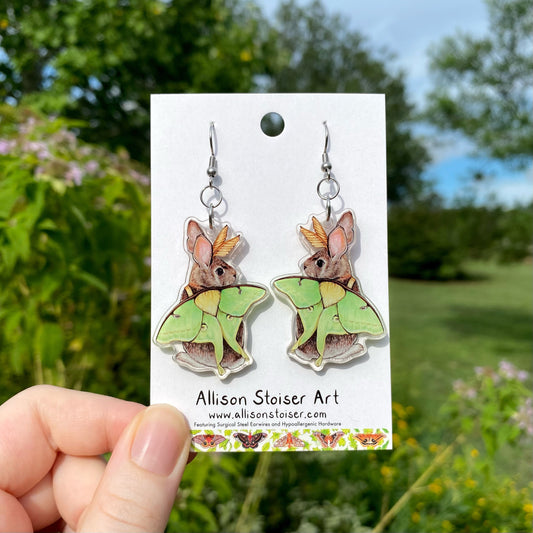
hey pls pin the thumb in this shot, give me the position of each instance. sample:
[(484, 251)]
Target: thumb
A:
[(141, 479)]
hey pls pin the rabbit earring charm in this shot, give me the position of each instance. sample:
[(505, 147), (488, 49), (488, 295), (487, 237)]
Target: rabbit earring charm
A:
[(205, 328), (334, 318)]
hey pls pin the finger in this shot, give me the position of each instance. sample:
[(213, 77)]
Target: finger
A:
[(142, 477), (13, 517), (40, 505), (75, 480), (41, 421)]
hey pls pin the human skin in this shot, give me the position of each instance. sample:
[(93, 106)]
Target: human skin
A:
[(52, 473)]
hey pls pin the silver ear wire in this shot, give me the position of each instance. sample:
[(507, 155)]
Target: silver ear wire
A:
[(332, 185), (211, 196)]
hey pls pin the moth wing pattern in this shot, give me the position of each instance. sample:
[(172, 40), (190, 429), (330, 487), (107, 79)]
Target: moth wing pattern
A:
[(208, 440), (250, 441)]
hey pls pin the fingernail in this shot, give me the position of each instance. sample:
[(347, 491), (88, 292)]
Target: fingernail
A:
[(159, 440)]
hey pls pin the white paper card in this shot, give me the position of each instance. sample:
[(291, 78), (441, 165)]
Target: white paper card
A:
[(269, 186)]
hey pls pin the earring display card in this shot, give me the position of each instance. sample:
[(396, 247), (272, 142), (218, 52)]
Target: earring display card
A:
[(306, 375)]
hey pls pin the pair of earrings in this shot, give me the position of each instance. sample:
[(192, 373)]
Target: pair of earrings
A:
[(206, 329)]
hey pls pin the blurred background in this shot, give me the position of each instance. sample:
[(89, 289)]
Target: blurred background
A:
[(75, 82)]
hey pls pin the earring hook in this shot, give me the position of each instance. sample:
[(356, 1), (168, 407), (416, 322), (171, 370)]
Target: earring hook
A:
[(212, 138), (211, 197), (328, 187)]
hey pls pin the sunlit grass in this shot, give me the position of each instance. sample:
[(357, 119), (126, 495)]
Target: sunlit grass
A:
[(441, 331)]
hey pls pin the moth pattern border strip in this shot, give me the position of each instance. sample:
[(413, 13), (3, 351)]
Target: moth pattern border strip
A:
[(241, 439)]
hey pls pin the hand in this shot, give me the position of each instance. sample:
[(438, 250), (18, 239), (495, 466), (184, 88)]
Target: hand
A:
[(52, 472)]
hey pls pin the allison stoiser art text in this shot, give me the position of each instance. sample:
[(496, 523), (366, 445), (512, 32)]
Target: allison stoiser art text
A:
[(265, 397)]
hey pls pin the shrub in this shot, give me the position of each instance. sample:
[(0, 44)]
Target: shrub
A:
[(74, 269)]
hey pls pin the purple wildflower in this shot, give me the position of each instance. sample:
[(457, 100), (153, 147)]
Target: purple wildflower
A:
[(92, 166), (6, 146), (74, 174)]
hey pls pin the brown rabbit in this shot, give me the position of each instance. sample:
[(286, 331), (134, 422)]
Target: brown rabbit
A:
[(209, 271), (331, 263)]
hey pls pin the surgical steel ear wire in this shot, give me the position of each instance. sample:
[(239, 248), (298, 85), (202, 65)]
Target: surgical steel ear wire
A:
[(328, 187), (211, 196)]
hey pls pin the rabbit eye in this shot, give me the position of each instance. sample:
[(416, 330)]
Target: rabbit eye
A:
[(219, 271), (320, 263)]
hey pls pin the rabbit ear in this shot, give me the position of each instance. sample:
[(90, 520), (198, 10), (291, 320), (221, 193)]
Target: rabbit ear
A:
[(193, 232), (346, 222), (203, 251), (337, 242)]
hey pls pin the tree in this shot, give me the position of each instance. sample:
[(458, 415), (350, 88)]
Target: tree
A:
[(483, 85), (99, 60), (320, 53)]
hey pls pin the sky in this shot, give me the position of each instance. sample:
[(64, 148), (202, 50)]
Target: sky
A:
[(408, 28)]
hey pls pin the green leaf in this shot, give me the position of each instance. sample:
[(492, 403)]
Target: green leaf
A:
[(49, 343), (90, 279)]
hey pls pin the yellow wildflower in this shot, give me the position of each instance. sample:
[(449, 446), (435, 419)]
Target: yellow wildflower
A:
[(435, 488), (528, 508), (433, 448), (470, 483), (447, 526), (474, 453), (412, 442), (415, 517), (399, 409), (246, 56)]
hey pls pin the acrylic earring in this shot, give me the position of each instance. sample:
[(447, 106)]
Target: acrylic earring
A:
[(206, 328), (334, 319)]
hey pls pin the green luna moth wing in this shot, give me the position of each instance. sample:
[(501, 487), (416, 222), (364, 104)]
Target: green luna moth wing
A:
[(211, 316), (328, 308), (328, 324), (309, 317), (182, 324), (210, 331), (236, 301), (357, 316), (303, 292), (230, 327)]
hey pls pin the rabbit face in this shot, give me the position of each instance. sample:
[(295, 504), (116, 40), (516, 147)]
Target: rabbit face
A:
[(322, 266), (209, 270), (330, 261), (215, 274)]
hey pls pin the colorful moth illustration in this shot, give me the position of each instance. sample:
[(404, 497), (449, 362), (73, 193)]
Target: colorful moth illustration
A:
[(249, 440), (328, 441), (206, 326), (208, 441), (289, 441), (370, 440), (334, 318)]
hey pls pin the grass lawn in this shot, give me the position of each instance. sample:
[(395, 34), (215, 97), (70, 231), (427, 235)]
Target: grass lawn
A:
[(441, 331)]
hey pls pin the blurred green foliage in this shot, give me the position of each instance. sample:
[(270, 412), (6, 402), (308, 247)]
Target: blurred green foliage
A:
[(74, 260), (483, 84), (74, 311), (74, 251), (428, 240), (99, 60)]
